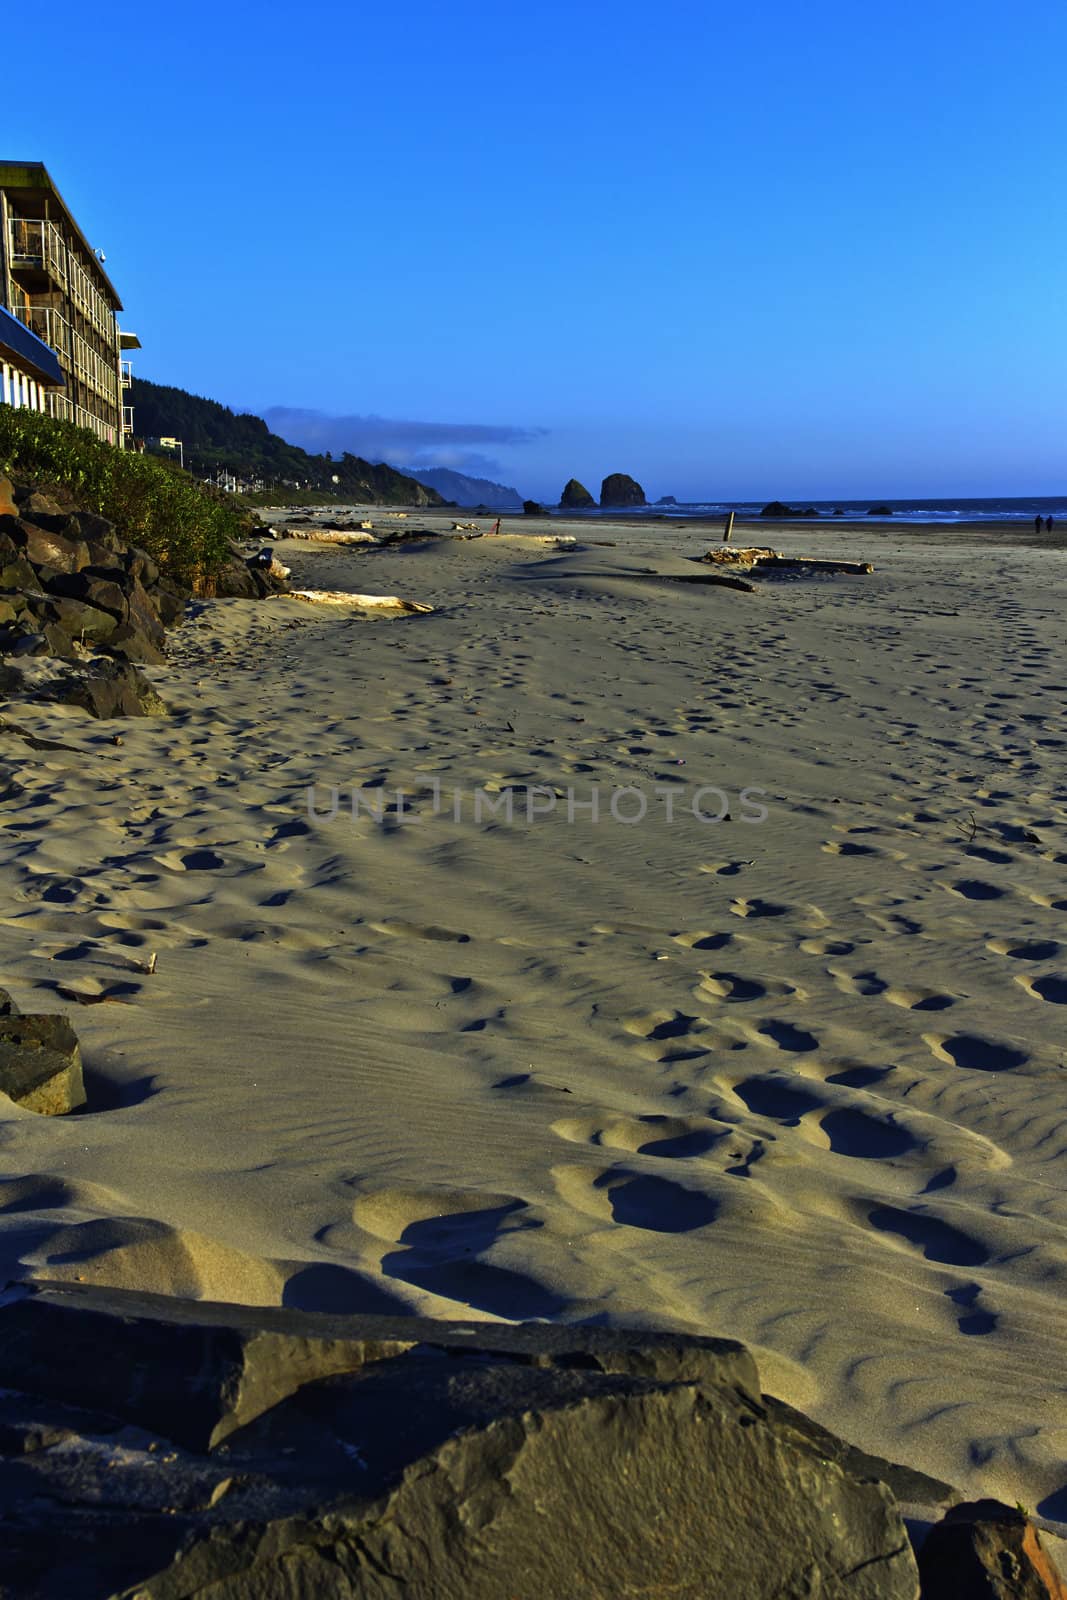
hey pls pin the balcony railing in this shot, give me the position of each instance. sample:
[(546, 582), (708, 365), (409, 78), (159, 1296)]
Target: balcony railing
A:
[(126, 374), (127, 419), (60, 406), (90, 302), (38, 245), (48, 325)]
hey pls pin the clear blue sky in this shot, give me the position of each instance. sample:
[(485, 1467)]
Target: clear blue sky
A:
[(803, 248)]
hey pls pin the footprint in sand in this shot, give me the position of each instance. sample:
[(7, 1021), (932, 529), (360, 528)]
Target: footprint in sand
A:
[(636, 1200), (975, 1053), (1051, 986), (973, 1319), (919, 999), (1031, 950), (670, 1138), (703, 940), (757, 908), (442, 1233), (936, 1239), (975, 889), (730, 986), (861, 983), (826, 947)]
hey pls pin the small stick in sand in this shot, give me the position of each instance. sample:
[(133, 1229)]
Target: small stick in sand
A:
[(728, 527)]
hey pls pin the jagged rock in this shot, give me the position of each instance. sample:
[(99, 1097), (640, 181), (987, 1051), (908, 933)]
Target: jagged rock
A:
[(984, 1550), (533, 508), (8, 1008), (449, 1459), (666, 500), (618, 489), (40, 1063), (880, 511), (36, 503), (139, 565), (81, 620), (103, 687), (97, 530), (44, 549), (576, 496), (18, 575)]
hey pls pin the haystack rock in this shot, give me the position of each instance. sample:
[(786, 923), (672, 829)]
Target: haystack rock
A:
[(620, 490), (576, 496)]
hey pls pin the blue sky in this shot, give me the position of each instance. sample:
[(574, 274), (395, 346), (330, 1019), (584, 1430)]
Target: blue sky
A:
[(814, 249)]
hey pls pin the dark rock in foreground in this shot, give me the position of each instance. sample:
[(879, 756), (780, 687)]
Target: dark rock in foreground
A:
[(360, 1456), (618, 489), (100, 685), (40, 1062), (984, 1550), (576, 496)]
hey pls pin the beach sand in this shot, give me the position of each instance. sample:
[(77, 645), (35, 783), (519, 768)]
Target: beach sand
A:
[(799, 1081)]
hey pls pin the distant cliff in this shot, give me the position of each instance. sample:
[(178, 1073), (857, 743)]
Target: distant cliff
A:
[(466, 491), (216, 439)]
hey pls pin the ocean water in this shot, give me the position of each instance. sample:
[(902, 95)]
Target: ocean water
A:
[(1006, 510)]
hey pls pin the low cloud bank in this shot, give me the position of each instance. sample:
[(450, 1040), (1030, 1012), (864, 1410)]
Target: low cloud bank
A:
[(460, 445)]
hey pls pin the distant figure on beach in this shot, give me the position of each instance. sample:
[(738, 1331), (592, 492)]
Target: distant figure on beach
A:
[(1048, 524), (1037, 524)]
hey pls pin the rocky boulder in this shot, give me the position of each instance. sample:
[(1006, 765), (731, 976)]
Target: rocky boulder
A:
[(576, 497), (101, 685), (201, 1449), (618, 489), (984, 1550), (40, 1062)]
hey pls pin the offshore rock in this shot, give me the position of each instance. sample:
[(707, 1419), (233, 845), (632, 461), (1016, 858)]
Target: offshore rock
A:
[(618, 489), (576, 496)]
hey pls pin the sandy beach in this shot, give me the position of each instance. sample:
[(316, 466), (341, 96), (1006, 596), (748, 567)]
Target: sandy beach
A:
[(797, 1081)]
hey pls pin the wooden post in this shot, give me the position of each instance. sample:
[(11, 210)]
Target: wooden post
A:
[(728, 527)]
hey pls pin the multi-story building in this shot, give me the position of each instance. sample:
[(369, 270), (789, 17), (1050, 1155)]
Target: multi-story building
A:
[(55, 285)]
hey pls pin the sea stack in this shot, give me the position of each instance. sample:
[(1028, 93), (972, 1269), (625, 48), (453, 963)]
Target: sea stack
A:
[(618, 489), (576, 497)]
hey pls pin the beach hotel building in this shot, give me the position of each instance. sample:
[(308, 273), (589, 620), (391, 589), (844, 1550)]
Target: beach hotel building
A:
[(61, 348)]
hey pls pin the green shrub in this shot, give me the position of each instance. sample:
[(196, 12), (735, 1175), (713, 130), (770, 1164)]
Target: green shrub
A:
[(186, 526)]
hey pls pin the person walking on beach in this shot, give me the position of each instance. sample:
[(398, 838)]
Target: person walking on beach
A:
[(1048, 524), (1037, 524)]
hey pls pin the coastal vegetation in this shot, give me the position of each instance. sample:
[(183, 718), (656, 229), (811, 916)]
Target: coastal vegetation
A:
[(187, 527)]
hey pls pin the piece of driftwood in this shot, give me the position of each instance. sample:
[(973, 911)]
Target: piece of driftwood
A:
[(813, 564), (762, 558)]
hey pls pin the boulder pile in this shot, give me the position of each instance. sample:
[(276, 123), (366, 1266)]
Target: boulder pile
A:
[(73, 589)]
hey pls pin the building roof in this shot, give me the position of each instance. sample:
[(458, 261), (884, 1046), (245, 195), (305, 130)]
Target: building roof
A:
[(31, 183), (29, 354)]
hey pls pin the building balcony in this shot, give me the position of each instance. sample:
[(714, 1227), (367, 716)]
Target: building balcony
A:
[(36, 250), (127, 419), (126, 374), (48, 325)]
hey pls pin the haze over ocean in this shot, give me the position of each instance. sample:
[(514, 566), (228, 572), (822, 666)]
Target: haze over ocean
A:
[(813, 250)]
